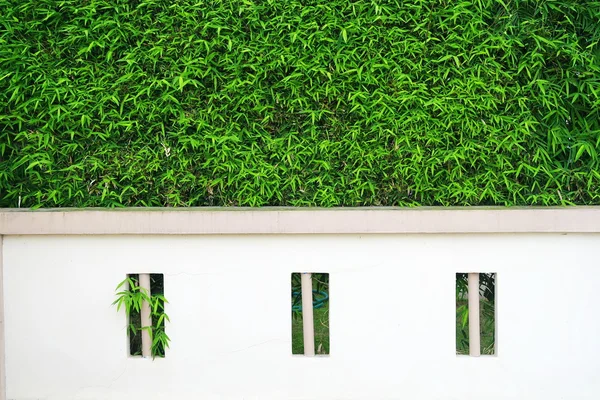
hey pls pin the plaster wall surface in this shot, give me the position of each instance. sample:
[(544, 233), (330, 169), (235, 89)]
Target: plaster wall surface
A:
[(392, 317)]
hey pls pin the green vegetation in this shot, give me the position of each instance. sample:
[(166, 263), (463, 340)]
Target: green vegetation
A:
[(131, 298), (300, 102)]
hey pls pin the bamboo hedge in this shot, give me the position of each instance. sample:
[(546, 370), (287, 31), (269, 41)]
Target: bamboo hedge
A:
[(299, 102)]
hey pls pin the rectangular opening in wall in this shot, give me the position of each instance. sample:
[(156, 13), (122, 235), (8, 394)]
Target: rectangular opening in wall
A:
[(155, 317), (476, 333), (317, 327)]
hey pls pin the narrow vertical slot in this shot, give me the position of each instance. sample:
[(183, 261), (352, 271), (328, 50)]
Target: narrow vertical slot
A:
[(466, 326), (160, 340), (320, 311), (156, 341)]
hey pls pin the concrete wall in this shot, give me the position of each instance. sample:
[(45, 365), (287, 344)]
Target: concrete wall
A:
[(230, 316)]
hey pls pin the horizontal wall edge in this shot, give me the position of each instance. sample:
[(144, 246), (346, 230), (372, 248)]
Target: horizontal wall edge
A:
[(269, 220)]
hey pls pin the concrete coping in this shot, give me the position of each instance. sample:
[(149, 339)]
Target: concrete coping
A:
[(273, 220)]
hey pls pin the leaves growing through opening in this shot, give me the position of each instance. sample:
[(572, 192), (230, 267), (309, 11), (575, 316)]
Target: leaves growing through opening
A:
[(130, 297)]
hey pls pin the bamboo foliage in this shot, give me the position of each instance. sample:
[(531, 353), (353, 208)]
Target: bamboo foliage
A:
[(299, 102)]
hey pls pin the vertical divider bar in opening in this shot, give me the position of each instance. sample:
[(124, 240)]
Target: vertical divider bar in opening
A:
[(307, 315), (474, 330), (146, 317)]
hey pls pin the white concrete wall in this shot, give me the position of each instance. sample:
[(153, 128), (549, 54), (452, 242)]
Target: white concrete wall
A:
[(230, 317)]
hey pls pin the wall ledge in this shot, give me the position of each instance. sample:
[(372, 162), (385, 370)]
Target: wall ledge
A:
[(274, 220)]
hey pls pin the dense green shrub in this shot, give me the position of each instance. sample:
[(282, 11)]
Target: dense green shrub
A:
[(299, 102)]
